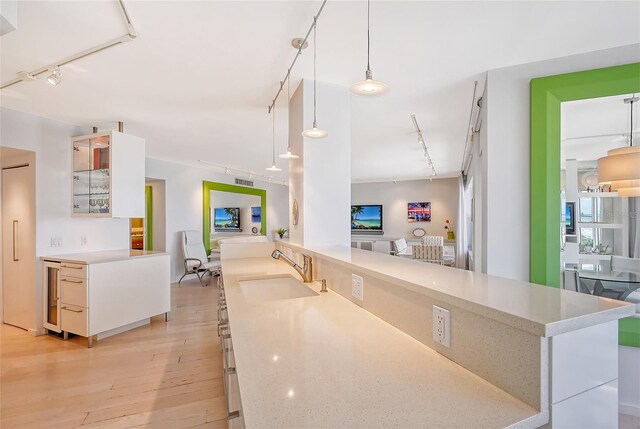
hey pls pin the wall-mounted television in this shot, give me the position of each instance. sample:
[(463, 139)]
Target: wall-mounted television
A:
[(226, 219), (366, 218), (570, 218)]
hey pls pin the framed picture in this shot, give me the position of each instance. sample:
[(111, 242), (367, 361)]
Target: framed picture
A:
[(570, 219), (419, 212), (256, 214)]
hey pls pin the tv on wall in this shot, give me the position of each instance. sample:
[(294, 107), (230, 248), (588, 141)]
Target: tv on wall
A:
[(366, 218), (226, 219), (569, 218)]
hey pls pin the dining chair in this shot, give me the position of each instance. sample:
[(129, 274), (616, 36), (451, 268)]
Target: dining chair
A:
[(195, 257), (428, 253), (570, 280), (399, 245), (433, 240)]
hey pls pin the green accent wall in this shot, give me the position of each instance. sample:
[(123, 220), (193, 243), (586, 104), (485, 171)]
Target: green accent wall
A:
[(546, 95), (207, 187), (148, 239)]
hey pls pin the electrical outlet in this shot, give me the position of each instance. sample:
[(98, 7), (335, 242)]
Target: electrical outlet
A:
[(357, 287), (56, 241), (442, 326), (83, 240)]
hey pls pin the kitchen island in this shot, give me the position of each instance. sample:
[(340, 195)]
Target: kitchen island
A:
[(106, 292), (333, 360)]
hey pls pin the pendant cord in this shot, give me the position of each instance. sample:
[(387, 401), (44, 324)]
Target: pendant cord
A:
[(368, 37), (631, 130), (288, 113), (315, 24)]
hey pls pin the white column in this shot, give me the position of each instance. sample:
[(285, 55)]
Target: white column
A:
[(320, 180)]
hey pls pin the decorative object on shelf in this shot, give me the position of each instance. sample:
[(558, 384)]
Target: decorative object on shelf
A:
[(289, 154), (254, 230), (256, 214), (369, 87), (448, 226), (620, 167), (281, 232), (273, 142), (419, 232), (295, 212), (314, 132), (589, 179), (419, 212)]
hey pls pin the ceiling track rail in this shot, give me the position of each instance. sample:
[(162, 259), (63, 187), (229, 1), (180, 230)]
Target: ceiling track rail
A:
[(293, 63), (250, 174), (424, 146), (471, 128), (131, 35)]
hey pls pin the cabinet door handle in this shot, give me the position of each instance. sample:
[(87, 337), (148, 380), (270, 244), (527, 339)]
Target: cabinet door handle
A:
[(72, 267), (71, 309), (72, 281), (15, 240)]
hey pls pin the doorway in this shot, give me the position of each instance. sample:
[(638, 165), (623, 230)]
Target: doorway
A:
[(18, 238), (141, 229)]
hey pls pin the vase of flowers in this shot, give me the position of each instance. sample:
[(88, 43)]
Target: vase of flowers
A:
[(448, 226)]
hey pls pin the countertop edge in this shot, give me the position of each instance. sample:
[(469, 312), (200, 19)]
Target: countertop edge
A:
[(72, 258)]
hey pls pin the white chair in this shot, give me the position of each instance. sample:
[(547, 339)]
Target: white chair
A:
[(428, 253), (399, 245), (195, 257), (626, 264), (570, 280), (433, 240)]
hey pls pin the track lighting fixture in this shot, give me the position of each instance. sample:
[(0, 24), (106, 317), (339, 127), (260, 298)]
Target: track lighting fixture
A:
[(314, 132), (24, 76), (55, 77), (426, 154), (369, 87)]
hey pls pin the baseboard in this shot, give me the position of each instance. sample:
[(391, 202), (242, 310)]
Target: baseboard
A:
[(628, 409), (121, 329)]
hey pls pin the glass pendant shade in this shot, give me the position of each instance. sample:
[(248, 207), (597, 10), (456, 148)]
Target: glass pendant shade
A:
[(369, 87), (288, 155), (315, 132), (273, 168)]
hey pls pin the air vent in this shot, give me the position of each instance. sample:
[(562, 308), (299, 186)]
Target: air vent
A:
[(244, 182)]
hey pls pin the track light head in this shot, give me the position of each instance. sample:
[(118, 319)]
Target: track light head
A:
[(55, 77)]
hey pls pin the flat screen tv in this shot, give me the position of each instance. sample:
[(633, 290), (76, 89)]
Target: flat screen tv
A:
[(366, 218), (569, 218), (226, 219)]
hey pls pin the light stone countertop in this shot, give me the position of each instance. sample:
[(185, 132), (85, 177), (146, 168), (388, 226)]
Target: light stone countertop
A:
[(543, 311), (324, 362), (102, 256)]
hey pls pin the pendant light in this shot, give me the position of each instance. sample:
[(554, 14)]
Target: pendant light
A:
[(621, 167), (273, 147), (314, 132), (369, 87), (289, 154)]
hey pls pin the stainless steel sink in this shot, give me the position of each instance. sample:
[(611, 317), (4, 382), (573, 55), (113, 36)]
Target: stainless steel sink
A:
[(275, 288)]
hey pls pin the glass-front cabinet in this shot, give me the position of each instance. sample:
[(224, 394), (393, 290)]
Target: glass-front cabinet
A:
[(108, 176), (91, 175)]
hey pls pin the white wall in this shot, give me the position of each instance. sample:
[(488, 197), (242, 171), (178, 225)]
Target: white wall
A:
[(183, 195), (51, 142), (220, 199), (506, 174), (394, 197)]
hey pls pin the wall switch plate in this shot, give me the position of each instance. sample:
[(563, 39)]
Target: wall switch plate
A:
[(357, 287), (442, 326), (83, 240)]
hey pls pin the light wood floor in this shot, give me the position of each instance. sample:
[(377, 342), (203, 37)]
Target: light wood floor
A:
[(159, 375)]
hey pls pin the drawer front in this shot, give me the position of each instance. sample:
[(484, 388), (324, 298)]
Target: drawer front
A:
[(74, 319), (73, 291), (73, 270)]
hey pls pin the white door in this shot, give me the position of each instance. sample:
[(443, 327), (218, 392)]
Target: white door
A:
[(17, 245)]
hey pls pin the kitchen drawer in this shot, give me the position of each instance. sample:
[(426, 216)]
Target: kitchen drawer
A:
[(73, 270), (73, 291), (74, 319)]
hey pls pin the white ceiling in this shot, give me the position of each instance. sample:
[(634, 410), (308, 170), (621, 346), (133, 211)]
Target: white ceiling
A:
[(197, 80)]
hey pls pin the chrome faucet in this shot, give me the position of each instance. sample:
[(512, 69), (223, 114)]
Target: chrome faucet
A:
[(306, 271)]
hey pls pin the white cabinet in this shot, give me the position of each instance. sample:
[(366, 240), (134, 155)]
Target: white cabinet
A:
[(108, 175), (104, 293)]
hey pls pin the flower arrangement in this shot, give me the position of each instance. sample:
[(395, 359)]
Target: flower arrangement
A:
[(448, 226), (281, 232)]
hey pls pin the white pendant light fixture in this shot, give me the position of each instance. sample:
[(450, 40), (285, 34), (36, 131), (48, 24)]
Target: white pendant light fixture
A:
[(273, 148), (621, 167), (289, 154), (369, 87), (55, 77), (314, 132)]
